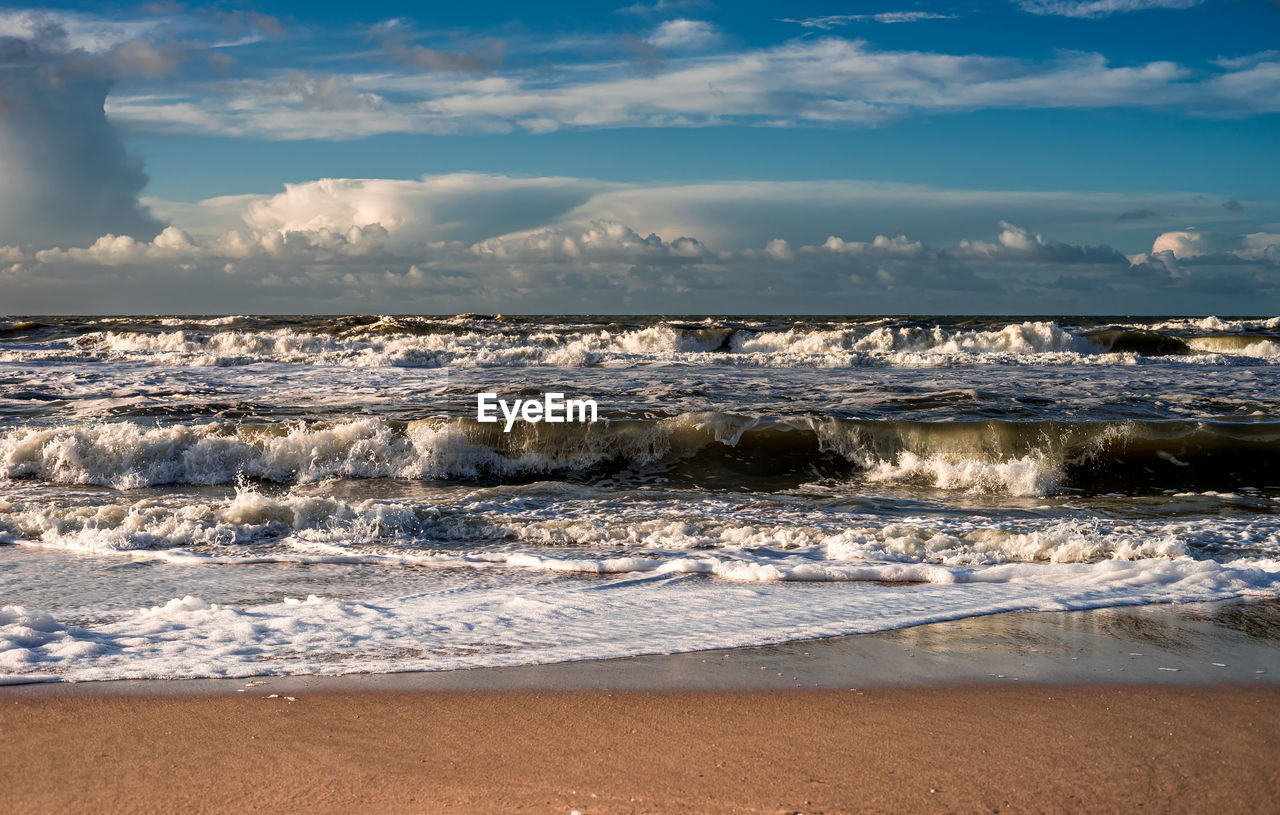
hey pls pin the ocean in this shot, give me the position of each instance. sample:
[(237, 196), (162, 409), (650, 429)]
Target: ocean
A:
[(237, 496)]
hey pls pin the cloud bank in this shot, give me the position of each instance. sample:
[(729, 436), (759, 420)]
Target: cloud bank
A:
[(428, 246)]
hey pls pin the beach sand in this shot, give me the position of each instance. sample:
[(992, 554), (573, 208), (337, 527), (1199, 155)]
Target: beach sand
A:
[(1026, 748), (1059, 712)]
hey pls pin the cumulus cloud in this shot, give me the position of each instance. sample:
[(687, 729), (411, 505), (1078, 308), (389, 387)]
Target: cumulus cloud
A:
[(1189, 244), (1181, 244), (594, 243), (880, 245), (115, 250), (1016, 242), (779, 249), (455, 207), (67, 175), (1260, 245), (434, 245)]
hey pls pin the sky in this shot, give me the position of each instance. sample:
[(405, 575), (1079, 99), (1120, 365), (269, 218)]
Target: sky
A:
[(671, 156)]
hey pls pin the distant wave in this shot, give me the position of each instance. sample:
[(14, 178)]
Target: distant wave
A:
[(471, 341)]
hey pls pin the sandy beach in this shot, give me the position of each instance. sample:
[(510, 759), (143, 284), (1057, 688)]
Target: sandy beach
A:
[(1029, 748), (1158, 709)]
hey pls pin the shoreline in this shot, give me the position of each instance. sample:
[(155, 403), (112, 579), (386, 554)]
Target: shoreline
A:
[(1021, 711), (1226, 642)]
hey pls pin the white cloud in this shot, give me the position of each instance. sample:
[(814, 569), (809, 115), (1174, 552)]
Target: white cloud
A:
[(1255, 86), (460, 206), (1259, 245), (115, 250), (1100, 8), (1188, 244), (880, 245), (597, 242), (685, 35), (734, 215), (779, 249), (809, 81), (470, 207), (1183, 244), (1247, 61), (458, 87), (1016, 242)]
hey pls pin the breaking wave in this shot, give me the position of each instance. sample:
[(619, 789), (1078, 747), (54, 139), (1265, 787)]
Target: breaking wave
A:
[(712, 450), (255, 527)]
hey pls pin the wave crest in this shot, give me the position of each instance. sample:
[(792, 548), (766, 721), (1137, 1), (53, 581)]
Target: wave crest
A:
[(713, 450)]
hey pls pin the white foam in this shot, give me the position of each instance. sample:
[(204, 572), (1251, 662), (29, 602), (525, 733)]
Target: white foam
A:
[(706, 536), (488, 626), (470, 577), (30, 638)]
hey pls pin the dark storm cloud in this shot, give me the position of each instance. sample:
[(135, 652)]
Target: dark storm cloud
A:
[(68, 177)]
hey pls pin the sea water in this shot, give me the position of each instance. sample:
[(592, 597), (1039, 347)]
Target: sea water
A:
[(235, 496)]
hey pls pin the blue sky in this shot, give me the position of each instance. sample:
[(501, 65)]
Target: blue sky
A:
[(1038, 156)]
